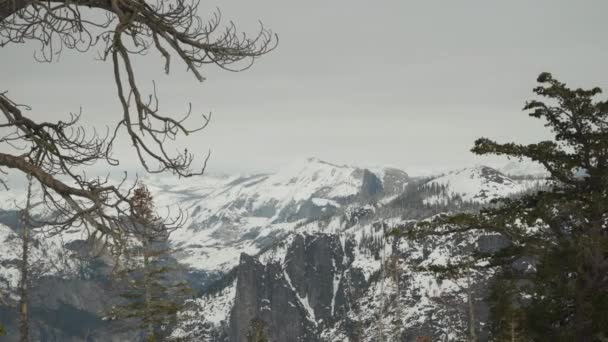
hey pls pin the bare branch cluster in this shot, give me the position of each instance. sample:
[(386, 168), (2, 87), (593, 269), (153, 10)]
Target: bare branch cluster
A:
[(56, 151)]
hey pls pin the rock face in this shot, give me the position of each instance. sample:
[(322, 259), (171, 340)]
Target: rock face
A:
[(371, 186), (263, 295), (394, 181), (311, 291), (359, 285), (312, 264)]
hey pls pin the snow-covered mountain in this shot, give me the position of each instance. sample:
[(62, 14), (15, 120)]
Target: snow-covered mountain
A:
[(305, 250), (231, 215), (351, 286), (479, 184), (366, 276), (524, 168)]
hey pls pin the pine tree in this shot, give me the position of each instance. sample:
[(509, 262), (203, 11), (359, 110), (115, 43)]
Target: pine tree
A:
[(508, 322), (560, 233), (151, 298)]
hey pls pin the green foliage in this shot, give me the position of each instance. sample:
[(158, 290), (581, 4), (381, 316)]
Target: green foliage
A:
[(2, 331), (165, 298), (561, 232), (150, 297), (508, 317), (569, 290)]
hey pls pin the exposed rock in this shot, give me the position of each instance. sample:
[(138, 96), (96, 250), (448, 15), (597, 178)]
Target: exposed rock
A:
[(371, 186), (394, 181), (312, 263), (264, 294)]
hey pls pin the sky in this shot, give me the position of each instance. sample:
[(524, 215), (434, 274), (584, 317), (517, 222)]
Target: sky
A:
[(409, 84)]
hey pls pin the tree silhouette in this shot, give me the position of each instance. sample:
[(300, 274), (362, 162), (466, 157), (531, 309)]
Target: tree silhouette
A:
[(151, 297), (120, 29), (551, 282)]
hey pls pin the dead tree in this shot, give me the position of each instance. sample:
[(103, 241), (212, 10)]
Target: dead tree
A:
[(120, 29)]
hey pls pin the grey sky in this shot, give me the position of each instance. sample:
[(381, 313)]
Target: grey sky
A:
[(405, 83)]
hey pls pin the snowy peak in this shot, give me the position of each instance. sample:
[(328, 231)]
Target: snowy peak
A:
[(490, 175), (249, 213), (478, 184), (303, 178), (337, 181)]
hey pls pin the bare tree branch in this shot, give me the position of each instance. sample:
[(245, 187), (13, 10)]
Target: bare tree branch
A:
[(122, 29)]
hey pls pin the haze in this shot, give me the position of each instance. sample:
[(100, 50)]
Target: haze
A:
[(405, 83)]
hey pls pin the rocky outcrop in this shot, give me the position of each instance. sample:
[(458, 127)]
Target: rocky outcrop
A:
[(265, 303), (342, 287), (313, 289), (371, 186), (314, 264), (394, 181)]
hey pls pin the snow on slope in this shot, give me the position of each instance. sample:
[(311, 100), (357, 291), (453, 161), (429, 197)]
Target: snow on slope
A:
[(9, 274), (411, 296), (479, 184), (231, 215), (48, 256), (210, 313), (228, 215), (223, 196)]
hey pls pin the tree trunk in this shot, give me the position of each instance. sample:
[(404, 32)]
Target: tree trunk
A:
[(513, 329), (590, 274), (582, 320), (472, 331), (381, 312), (147, 288), (10, 7), (24, 286)]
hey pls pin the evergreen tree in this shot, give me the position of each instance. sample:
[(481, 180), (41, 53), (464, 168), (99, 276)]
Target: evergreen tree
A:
[(151, 298), (559, 234), (508, 316)]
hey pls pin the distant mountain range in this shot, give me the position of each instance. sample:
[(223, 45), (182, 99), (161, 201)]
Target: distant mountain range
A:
[(303, 249)]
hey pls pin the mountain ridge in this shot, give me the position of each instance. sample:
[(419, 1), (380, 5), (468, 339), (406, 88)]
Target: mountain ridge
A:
[(264, 216)]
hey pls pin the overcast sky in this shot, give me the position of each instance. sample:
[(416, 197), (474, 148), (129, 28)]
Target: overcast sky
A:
[(405, 83)]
